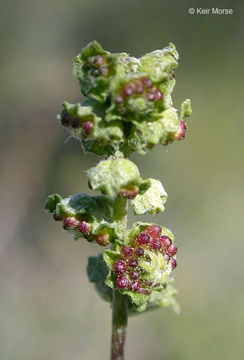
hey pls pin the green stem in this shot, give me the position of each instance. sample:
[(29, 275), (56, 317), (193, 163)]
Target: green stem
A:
[(120, 214), (119, 306), (119, 323)]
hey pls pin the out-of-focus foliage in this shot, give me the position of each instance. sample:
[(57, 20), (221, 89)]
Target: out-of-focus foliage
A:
[(48, 309)]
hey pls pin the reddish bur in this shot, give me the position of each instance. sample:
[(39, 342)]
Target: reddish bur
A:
[(84, 227), (172, 250), (133, 262), (155, 244), (70, 223), (119, 266), (173, 264), (142, 239), (135, 286), (87, 127), (153, 231), (165, 240), (139, 251), (122, 282), (128, 90), (181, 132), (126, 251)]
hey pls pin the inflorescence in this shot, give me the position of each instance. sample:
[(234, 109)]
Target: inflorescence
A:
[(127, 108), (129, 268)]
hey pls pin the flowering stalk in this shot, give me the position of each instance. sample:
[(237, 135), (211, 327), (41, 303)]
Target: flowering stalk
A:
[(119, 324), (119, 302), (128, 108)]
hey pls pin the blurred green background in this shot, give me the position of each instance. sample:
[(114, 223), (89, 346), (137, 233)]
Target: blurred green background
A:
[(48, 309)]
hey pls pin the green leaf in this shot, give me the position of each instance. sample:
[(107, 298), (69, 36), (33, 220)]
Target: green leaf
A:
[(96, 210), (51, 202), (164, 298), (157, 299), (94, 82), (103, 138), (152, 201), (185, 109), (146, 134), (97, 272), (92, 49), (159, 63), (140, 300), (96, 207), (109, 256), (111, 175)]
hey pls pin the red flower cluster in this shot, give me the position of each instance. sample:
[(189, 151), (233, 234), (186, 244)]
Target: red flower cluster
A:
[(76, 123), (143, 86), (127, 270)]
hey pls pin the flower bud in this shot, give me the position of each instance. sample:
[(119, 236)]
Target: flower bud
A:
[(181, 132), (135, 274), (154, 231), (158, 94), (84, 227), (133, 262), (102, 239), (75, 122), (119, 266), (129, 191), (126, 251), (139, 251), (155, 244), (135, 285), (70, 223), (98, 60), (143, 239), (128, 90), (65, 118), (138, 88), (56, 217), (119, 99), (173, 263), (87, 127), (172, 250), (122, 282), (146, 82), (150, 96), (166, 241)]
